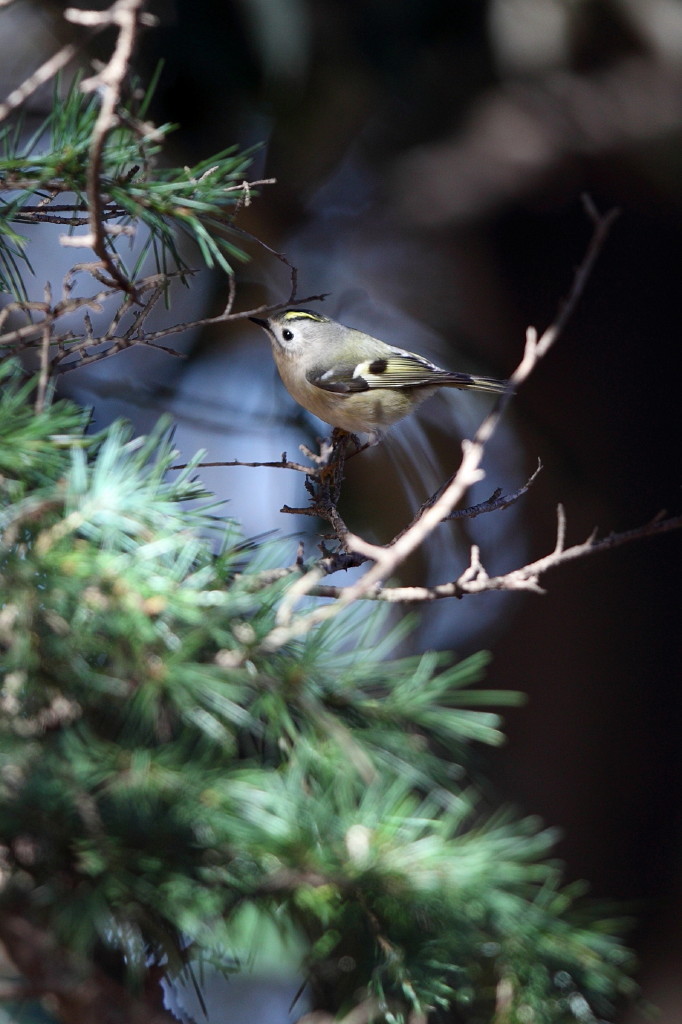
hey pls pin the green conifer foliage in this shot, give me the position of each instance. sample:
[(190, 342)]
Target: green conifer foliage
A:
[(164, 765), (160, 768)]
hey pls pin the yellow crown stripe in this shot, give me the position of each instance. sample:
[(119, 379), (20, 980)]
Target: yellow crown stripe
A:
[(303, 314)]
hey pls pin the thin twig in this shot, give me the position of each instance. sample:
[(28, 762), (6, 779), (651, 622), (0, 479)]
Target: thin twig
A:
[(68, 350), (52, 66), (497, 501), (284, 463), (44, 372)]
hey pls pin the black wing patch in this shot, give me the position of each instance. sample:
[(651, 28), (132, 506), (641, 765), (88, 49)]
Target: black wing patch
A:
[(338, 379)]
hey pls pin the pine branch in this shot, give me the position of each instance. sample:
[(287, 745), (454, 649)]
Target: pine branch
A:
[(159, 767), (101, 149), (176, 743)]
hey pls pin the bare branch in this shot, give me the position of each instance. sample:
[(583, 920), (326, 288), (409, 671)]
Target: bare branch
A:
[(387, 559), (93, 21), (127, 16), (324, 507), (495, 503), (43, 74), (73, 350), (152, 338), (475, 580), (41, 391), (284, 463), (560, 530)]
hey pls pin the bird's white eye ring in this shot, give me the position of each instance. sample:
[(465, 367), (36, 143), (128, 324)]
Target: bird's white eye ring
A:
[(287, 334)]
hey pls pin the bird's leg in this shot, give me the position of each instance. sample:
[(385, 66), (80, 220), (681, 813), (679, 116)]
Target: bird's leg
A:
[(372, 440), (324, 481)]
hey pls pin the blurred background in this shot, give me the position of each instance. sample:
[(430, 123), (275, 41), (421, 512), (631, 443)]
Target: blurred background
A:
[(430, 158)]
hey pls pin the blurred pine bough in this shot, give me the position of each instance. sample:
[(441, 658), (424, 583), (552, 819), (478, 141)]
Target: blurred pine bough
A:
[(160, 767)]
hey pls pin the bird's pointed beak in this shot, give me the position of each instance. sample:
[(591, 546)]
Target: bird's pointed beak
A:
[(261, 323)]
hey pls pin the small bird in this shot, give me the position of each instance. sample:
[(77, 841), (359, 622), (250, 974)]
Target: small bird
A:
[(352, 380)]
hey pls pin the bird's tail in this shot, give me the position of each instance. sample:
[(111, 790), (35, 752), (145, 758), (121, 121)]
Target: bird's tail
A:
[(475, 383)]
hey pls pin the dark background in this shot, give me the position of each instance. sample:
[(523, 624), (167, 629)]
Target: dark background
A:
[(430, 158)]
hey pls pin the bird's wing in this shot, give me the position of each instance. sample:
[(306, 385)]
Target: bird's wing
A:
[(397, 370)]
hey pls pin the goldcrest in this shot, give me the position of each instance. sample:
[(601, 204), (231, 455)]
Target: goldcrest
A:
[(352, 380)]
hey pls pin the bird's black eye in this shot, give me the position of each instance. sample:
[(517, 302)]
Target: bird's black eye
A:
[(287, 334)]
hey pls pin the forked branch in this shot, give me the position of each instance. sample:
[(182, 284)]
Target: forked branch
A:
[(442, 506)]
